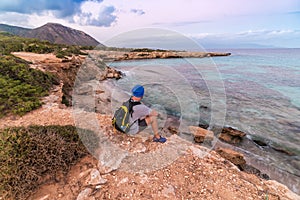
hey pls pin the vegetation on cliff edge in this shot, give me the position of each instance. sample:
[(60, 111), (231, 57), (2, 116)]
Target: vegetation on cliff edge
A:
[(33, 155), (21, 86)]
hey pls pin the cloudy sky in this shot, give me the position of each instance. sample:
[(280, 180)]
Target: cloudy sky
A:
[(217, 23)]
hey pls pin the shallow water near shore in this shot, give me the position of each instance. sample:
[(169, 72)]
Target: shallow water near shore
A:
[(262, 89)]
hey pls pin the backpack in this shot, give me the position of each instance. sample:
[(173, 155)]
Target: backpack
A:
[(120, 121)]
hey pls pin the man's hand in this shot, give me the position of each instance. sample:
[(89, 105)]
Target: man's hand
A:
[(154, 113)]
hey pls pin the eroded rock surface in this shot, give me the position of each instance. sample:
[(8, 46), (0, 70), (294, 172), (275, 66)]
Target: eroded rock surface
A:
[(231, 135)]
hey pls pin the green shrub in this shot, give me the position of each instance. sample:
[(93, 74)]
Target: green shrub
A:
[(29, 155), (60, 54), (68, 51), (148, 50), (18, 97), (21, 87), (10, 43)]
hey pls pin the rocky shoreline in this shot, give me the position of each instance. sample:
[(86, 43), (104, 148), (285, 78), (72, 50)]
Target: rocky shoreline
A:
[(110, 56), (167, 54), (190, 176)]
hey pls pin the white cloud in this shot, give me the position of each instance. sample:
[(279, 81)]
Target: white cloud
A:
[(89, 12), (212, 20), (16, 19), (36, 20), (95, 14), (282, 32)]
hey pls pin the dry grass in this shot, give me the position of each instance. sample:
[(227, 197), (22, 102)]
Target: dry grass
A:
[(30, 156)]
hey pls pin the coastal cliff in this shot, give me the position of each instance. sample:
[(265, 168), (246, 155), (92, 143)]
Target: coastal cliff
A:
[(137, 54), (177, 169), (168, 54)]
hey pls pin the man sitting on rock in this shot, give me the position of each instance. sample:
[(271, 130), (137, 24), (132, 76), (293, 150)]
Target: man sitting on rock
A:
[(142, 116)]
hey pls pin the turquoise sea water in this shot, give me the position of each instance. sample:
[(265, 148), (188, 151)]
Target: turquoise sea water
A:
[(276, 69), (269, 81), (255, 90)]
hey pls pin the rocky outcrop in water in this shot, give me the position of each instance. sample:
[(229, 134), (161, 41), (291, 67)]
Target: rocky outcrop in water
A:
[(233, 156), (153, 54), (167, 54), (110, 73), (231, 135), (201, 134), (238, 159)]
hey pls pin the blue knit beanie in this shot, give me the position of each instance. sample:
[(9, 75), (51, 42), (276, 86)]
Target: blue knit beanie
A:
[(138, 91)]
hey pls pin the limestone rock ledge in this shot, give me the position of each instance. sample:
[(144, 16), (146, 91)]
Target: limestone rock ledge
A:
[(198, 173), (155, 54), (167, 54)]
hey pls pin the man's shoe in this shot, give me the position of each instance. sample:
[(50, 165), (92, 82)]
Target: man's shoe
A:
[(160, 139)]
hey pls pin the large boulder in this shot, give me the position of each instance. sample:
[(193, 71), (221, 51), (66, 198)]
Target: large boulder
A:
[(110, 73), (201, 134), (231, 135), (233, 156)]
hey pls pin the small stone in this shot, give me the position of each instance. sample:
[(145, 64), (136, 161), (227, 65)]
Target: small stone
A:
[(173, 130), (84, 173), (85, 194), (169, 191), (98, 187), (45, 197), (96, 178), (139, 148), (124, 180), (143, 178), (99, 91)]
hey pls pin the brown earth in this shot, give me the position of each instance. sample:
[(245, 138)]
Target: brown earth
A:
[(194, 172), (189, 177)]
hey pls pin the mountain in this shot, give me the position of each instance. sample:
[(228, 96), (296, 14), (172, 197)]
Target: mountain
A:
[(15, 30), (54, 33)]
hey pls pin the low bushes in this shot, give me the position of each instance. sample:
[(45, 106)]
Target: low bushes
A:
[(10, 43), (28, 155), (21, 87)]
